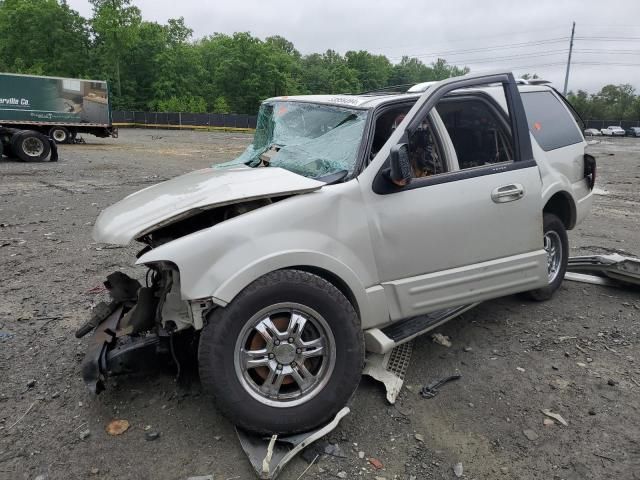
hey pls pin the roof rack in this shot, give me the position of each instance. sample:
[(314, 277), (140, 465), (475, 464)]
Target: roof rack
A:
[(402, 88)]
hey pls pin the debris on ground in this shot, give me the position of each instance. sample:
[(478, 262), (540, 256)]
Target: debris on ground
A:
[(334, 450), (117, 427), (341, 474), (151, 436), (555, 416), (530, 434), (377, 464), (419, 437), (547, 422), (458, 469), (441, 340), (431, 390), (84, 434), (31, 383)]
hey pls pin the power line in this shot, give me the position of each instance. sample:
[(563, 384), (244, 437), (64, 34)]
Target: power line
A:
[(476, 38), (609, 39), (558, 64), (609, 52), (510, 57), (488, 48)]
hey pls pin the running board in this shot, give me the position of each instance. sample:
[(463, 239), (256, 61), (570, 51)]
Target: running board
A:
[(383, 340)]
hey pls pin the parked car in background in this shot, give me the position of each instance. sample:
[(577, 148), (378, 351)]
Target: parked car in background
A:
[(633, 132), (613, 131), (592, 132)]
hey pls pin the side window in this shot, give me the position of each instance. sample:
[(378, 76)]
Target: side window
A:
[(478, 130), (549, 121)]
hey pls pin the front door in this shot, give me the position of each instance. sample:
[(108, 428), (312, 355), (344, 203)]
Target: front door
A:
[(468, 226)]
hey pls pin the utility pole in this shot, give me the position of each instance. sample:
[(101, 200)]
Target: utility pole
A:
[(566, 76)]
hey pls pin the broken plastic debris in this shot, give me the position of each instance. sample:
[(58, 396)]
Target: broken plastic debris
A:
[(441, 339), (555, 416), (117, 427), (377, 464), (458, 469)]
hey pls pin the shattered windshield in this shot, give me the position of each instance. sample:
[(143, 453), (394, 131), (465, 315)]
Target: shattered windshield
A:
[(308, 139)]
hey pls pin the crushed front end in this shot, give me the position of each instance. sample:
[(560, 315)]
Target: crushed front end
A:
[(138, 324)]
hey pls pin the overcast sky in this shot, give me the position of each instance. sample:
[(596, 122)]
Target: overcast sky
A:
[(480, 34)]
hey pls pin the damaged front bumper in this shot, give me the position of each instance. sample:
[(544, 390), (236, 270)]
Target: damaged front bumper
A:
[(136, 326), (106, 357)]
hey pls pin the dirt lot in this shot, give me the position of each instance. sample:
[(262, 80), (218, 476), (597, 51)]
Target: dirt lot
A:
[(577, 355)]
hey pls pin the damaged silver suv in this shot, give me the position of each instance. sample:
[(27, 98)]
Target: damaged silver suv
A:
[(352, 223)]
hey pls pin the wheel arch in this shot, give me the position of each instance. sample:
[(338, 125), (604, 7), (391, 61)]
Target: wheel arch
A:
[(326, 267), (562, 206), (334, 280)]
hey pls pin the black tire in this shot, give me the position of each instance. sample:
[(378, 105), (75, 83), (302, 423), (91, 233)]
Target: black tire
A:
[(217, 353), (30, 146), (552, 225), (1, 149), (60, 134)]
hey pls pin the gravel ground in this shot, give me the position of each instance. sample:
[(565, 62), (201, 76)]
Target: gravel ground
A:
[(577, 355)]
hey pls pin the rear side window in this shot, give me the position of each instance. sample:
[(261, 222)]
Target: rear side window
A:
[(549, 121)]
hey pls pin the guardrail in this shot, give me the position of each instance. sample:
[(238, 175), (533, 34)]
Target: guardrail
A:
[(207, 121)]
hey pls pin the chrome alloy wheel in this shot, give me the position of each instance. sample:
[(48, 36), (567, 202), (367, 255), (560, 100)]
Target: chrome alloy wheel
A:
[(33, 146), (285, 355), (553, 247)]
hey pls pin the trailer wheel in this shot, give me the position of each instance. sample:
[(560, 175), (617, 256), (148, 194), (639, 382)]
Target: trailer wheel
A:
[(60, 134), (30, 146)]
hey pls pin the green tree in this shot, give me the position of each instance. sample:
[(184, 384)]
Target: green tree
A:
[(43, 37), (372, 71), (115, 25)]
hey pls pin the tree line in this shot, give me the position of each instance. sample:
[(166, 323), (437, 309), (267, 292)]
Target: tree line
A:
[(161, 67)]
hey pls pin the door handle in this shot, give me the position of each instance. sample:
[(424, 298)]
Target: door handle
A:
[(507, 193)]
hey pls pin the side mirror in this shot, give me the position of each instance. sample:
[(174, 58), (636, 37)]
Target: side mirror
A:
[(400, 171)]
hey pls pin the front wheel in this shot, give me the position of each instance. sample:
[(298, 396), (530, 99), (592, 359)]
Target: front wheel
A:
[(556, 244), (285, 356)]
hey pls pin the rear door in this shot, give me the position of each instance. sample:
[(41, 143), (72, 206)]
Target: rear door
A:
[(473, 232)]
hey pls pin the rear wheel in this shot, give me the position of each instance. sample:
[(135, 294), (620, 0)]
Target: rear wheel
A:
[(285, 356), (556, 244), (30, 146), (60, 134)]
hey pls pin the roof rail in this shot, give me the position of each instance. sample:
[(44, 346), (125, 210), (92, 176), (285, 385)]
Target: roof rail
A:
[(402, 88), (532, 81)]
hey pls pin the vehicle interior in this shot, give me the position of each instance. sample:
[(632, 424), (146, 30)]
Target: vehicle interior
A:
[(479, 131), (478, 134)]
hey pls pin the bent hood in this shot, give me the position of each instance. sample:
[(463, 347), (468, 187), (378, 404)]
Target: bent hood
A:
[(189, 194)]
